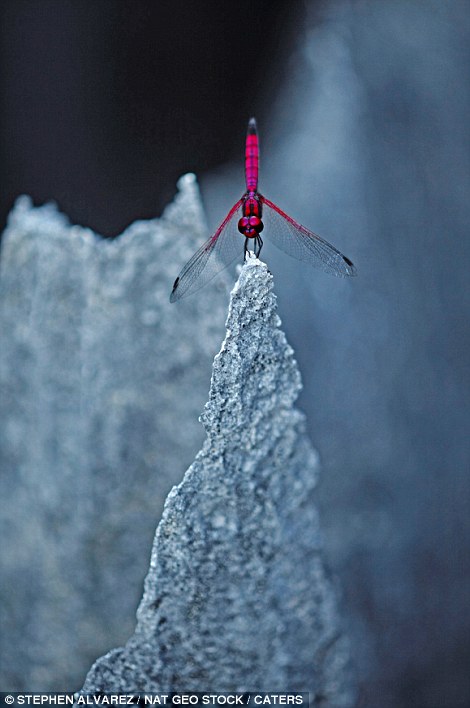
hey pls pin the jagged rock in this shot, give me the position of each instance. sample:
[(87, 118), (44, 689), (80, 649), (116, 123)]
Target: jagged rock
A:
[(102, 383), (237, 596)]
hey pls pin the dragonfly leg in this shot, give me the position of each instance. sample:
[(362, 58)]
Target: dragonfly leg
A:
[(245, 250), (259, 245)]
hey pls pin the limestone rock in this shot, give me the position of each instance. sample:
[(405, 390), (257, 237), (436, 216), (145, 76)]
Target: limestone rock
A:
[(102, 384), (237, 596)]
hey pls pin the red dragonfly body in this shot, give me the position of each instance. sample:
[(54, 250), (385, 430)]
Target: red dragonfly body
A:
[(247, 217)]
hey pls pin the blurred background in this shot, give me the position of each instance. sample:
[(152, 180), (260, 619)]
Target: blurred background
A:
[(363, 113)]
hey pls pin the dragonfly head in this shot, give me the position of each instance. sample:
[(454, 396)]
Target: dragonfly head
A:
[(250, 226)]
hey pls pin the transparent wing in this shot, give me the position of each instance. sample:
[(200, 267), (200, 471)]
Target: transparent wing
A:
[(301, 243), (214, 255)]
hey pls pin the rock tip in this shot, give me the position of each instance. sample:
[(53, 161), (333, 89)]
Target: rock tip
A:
[(186, 180)]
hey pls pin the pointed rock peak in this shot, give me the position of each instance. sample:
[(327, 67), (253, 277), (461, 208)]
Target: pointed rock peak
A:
[(186, 208), (237, 595), (253, 294), (255, 376)]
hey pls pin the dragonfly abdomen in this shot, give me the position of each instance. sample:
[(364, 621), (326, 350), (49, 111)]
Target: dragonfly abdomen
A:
[(251, 157)]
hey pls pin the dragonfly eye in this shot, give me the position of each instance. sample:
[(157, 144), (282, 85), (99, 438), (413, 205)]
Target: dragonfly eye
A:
[(256, 223)]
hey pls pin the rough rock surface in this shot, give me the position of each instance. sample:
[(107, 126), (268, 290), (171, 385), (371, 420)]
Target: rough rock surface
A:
[(237, 596), (102, 383)]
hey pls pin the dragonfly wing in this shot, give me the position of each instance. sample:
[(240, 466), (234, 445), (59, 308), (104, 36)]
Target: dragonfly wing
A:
[(215, 254), (301, 243)]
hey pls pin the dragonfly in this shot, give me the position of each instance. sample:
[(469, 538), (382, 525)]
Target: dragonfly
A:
[(247, 218)]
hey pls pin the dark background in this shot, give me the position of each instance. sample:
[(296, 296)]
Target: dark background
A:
[(104, 106)]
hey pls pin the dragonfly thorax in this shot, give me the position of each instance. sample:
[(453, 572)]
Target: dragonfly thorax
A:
[(250, 225)]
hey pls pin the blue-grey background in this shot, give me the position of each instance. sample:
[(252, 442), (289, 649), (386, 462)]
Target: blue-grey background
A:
[(363, 111)]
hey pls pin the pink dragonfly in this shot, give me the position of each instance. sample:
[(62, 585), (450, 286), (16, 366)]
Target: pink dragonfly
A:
[(246, 217)]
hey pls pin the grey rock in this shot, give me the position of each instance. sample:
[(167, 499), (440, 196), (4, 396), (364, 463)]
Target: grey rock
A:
[(237, 596), (102, 383)]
